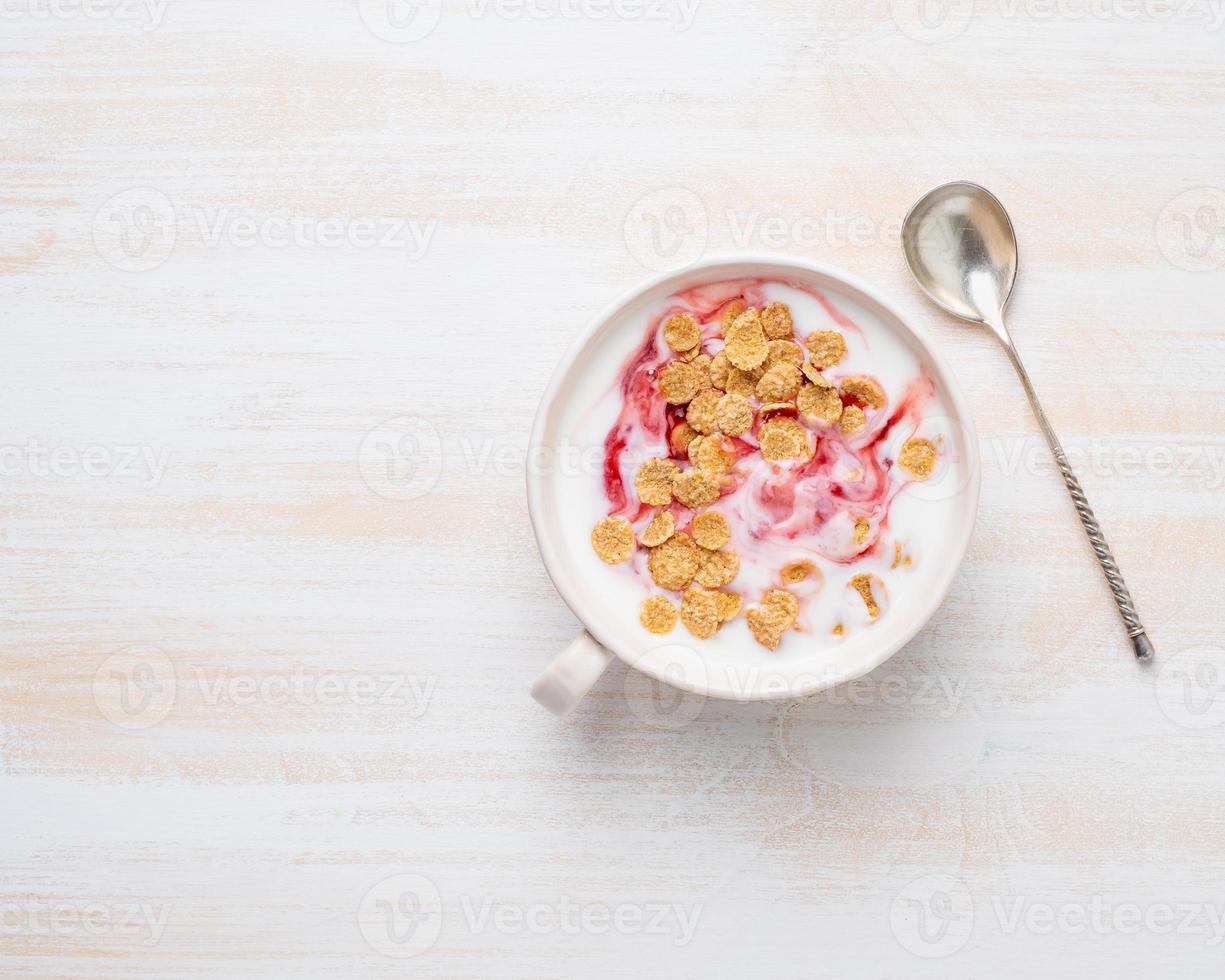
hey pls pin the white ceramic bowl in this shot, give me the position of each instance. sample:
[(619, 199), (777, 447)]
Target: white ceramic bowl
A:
[(751, 673)]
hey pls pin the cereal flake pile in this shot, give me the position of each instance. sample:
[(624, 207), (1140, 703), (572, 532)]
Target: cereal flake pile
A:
[(761, 377)]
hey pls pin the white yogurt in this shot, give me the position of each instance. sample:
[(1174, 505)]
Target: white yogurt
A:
[(909, 521)]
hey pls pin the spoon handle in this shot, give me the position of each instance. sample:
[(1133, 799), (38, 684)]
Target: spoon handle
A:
[(1140, 641)]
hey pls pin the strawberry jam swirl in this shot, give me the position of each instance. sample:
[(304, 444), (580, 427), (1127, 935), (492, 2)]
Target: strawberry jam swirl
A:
[(830, 506)]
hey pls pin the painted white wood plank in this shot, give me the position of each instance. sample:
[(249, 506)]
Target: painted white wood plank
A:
[(336, 721)]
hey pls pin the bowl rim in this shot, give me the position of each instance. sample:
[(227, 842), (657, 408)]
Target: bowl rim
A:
[(578, 600)]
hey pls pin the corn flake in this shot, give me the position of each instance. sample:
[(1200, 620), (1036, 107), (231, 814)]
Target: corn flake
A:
[(853, 420), (655, 480), (821, 404), (695, 447), (813, 374), (776, 321), (796, 571), (662, 527), (767, 625), (740, 383), (729, 605), (719, 368), (864, 390), (673, 564), (784, 352), (711, 530), (717, 568), (734, 414), (730, 312), (714, 454), (701, 411), (613, 540), (679, 382), (783, 601), (682, 435), (779, 384), (746, 341), (918, 457), (862, 528), (827, 347), (681, 332), (700, 613), (658, 614), (697, 488), (863, 585), (782, 438)]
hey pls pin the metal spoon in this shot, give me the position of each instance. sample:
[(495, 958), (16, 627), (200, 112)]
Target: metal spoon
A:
[(962, 252)]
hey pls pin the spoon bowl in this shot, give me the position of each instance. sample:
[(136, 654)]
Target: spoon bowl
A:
[(961, 248)]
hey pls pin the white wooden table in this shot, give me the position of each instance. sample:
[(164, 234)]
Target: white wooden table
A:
[(263, 705)]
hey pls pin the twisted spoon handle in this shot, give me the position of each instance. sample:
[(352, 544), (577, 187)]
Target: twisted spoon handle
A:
[(1122, 598)]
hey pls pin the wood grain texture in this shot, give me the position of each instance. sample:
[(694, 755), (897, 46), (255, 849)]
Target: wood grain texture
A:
[(263, 704)]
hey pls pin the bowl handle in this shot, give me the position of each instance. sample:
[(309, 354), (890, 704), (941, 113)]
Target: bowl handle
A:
[(566, 681)]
